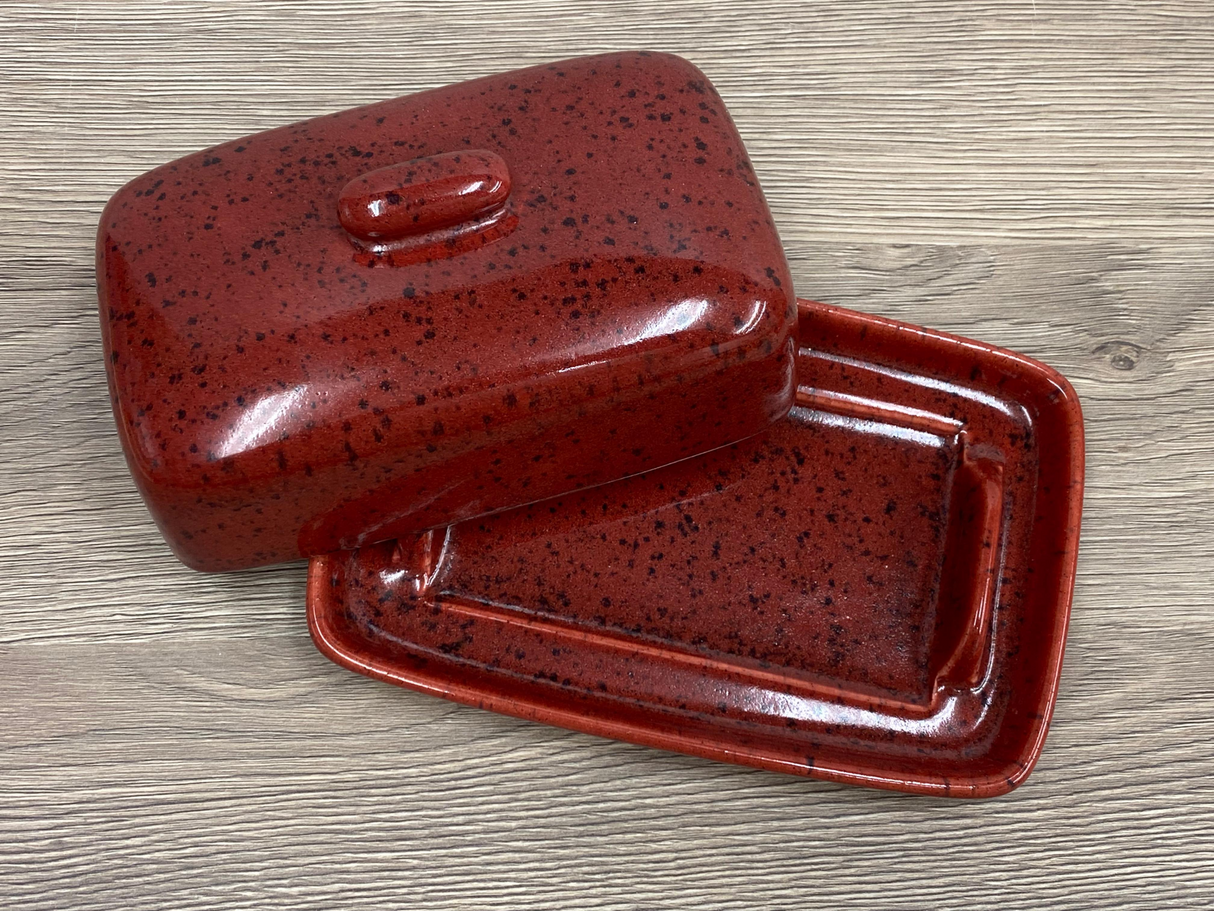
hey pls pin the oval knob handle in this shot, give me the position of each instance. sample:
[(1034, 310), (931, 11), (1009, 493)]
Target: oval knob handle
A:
[(423, 195)]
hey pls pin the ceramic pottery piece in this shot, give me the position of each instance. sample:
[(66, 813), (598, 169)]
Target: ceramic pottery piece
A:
[(410, 314), (874, 591), (513, 361)]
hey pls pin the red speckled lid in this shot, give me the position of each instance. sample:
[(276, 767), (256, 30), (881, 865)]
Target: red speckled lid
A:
[(409, 314)]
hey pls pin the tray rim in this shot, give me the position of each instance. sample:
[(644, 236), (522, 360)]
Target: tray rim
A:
[(328, 639)]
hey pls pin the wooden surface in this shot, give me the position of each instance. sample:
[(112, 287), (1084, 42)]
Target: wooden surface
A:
[(1034, 173)]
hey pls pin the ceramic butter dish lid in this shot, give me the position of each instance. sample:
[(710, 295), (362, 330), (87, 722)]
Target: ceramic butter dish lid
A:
[(406, 315)]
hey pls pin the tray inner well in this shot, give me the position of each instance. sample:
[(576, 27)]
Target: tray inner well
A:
[(849, 554)]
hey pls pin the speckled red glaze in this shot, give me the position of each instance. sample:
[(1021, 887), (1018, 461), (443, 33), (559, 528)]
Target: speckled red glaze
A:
[(875, 591), (283, 388)]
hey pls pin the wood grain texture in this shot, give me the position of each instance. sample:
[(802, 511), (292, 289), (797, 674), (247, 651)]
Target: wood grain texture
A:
[(1035, 174)]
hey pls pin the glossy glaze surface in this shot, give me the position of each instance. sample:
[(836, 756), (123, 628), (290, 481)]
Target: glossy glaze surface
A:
[(592, 287), (874, 591)]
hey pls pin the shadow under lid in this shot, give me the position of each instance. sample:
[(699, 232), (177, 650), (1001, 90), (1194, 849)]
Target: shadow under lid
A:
[(875, 591)]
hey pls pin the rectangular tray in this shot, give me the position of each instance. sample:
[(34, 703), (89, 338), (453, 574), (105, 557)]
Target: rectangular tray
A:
[(876, 591)]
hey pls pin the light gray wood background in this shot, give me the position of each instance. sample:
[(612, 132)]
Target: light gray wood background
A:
[(1034, 173)]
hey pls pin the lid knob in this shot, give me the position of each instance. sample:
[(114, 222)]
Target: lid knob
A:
[(424, 195)]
